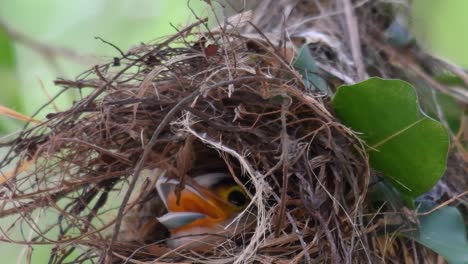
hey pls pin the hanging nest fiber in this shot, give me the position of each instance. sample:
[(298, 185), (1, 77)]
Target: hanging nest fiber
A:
[(203, 100)]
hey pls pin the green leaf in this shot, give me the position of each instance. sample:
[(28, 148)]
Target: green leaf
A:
[(451, 110), (305, 64), (444, 232), (384, 192), (10, 94), (7, 52), (450, 79), (441, 106), (406, 145)]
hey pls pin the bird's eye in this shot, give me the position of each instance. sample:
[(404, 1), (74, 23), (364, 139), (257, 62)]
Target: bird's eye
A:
[(237, 198)]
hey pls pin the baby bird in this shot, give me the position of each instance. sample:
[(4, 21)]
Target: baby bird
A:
[(207, 204)]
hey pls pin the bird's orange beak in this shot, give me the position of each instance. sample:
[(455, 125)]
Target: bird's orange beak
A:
[(198, 206)]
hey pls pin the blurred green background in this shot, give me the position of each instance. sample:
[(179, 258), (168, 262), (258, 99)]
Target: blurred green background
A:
[(441, 26), (70, 28)]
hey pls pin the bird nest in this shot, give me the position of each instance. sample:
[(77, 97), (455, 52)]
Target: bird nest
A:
[(219, 102), (197, 102)]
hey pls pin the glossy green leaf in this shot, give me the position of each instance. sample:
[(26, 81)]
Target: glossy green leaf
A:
[(406, 145), (444, 232), (307, 67)]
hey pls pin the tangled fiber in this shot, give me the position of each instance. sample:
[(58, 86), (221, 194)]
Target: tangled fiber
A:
[(208, 99)]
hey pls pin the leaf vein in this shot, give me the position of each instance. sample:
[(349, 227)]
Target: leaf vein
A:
[(392, 136)]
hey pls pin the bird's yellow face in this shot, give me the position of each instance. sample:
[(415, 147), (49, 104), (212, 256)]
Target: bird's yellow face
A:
[(206, 204)]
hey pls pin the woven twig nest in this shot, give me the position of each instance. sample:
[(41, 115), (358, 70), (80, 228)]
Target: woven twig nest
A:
[(232, 103), (226, 100)]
